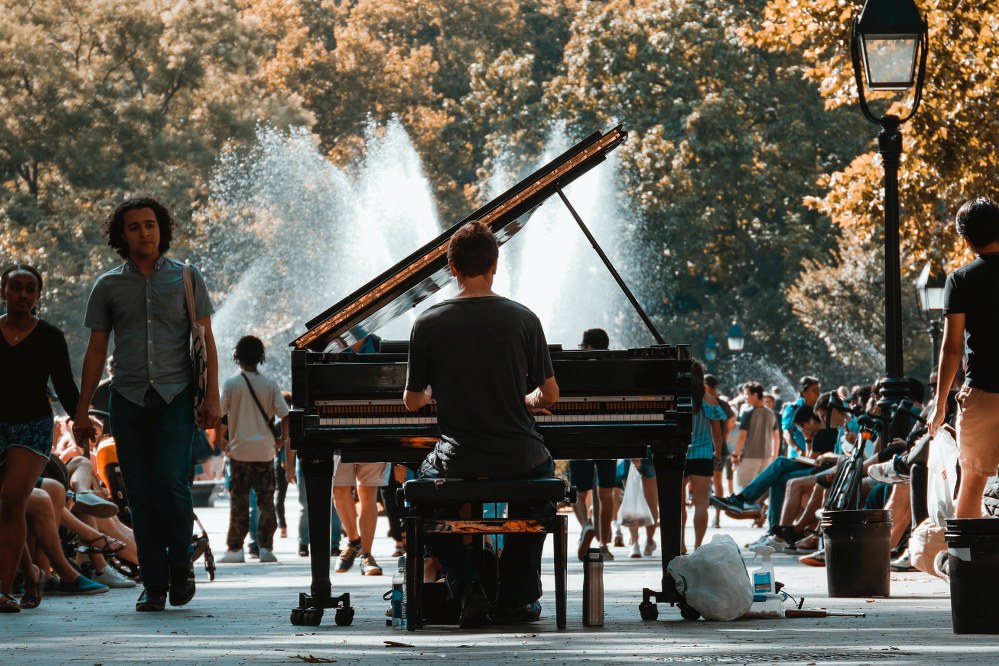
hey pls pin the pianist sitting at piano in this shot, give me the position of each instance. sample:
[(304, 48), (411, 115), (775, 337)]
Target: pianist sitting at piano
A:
[(485, 361)]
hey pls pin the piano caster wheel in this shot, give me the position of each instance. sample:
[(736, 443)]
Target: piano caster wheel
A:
[(309, 617), (649, 611), (343, 617), (688, 613)]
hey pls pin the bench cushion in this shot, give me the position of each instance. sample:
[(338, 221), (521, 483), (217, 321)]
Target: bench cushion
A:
[(424, 491)]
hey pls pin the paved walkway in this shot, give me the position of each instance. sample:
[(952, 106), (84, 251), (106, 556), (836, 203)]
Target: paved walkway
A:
[(243, 618)]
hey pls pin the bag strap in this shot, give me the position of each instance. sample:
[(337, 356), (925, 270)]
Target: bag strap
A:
[(253, 394), (189, 293)]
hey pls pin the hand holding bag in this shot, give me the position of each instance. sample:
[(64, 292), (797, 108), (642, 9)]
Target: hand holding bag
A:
[(199, 353), (634, 511)]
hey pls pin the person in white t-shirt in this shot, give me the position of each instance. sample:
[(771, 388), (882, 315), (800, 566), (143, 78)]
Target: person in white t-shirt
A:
[(250, 403)]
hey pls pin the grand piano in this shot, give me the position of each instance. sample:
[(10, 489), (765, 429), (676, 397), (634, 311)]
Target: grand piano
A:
[(613, 403)]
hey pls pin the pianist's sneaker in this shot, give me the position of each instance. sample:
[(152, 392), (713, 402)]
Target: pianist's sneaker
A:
[(736, 506), (368, 565), (347, 557)]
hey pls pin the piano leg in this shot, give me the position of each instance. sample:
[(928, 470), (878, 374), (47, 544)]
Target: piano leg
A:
[(669, 482), (318, 481)]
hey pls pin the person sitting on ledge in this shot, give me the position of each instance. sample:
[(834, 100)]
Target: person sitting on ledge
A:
[(774, 478)]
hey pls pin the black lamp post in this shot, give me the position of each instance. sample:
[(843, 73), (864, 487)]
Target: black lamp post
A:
[(735, 340), (710, 351), (930, 289), (889, 46)]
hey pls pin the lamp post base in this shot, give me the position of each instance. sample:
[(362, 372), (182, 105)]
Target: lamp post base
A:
[(893, 391)]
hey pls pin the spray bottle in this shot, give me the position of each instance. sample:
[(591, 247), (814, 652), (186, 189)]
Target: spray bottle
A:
[(766, 601), (763, 578)]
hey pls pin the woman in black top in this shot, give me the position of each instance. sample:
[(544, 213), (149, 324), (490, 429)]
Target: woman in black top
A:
[(31, 351)]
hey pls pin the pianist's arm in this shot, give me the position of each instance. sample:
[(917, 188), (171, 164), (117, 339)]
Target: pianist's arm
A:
[(544, 396), (416, 399)]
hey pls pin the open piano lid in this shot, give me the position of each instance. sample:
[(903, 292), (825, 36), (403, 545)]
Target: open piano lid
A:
[(426, 271)]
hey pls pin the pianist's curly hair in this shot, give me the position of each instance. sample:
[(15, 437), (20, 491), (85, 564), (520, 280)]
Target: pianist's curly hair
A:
[(473, 249), (114, 225)]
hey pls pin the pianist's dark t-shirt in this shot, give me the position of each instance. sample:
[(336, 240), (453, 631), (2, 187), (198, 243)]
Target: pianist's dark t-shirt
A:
[(481, 356)]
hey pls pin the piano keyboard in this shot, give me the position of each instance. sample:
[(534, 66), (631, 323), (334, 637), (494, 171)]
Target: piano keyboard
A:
[(418, 419), (591, 409)]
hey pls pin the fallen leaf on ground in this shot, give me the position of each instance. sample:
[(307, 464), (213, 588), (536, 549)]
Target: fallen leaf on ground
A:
[(312, 659)]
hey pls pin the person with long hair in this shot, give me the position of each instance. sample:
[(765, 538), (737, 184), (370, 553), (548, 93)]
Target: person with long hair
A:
[(32, 351), (705, 445)]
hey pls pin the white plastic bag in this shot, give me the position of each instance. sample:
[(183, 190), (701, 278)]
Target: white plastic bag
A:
[(942, 471), (634, 511), (925, 542), (713, 579)]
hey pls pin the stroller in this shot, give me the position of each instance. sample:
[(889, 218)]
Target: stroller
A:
[(109, 472)]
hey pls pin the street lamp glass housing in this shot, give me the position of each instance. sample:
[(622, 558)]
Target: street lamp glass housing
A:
[(890, 61), (736, 339), (890, 33), (710, 349), (930, 287)]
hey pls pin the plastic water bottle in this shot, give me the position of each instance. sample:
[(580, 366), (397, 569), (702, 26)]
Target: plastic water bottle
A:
[(593, 589), (399, 595)]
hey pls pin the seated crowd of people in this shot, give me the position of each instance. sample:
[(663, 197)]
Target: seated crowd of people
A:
[(798, 458), (76, 542)]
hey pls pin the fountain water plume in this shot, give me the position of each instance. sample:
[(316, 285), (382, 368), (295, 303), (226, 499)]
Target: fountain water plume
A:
[(290, 233), (550, 267)]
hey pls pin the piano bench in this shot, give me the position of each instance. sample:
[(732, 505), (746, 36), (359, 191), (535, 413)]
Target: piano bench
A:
[(420, 497)]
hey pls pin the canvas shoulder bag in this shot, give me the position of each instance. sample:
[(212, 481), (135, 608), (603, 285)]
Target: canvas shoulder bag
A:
[(199, 353)]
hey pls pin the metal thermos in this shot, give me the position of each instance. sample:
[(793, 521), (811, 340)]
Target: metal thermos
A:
[(593, 589)]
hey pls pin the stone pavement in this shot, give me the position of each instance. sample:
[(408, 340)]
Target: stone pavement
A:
[(243, 617)]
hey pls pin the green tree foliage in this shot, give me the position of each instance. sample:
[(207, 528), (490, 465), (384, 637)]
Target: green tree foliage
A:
[(727, 139), (742, 167), (431, 63), (949, 149), (102, 98)]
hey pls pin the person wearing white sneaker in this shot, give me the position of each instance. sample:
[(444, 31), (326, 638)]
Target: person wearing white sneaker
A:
[(595, 480), (605, 551), (705, 445), (233, 557), (267, 555), (636, 551), (251, 402), (110, 577), (650, 547)]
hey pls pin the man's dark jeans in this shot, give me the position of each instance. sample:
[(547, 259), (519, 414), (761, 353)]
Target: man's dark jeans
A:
[(520, 563), (154, 451)]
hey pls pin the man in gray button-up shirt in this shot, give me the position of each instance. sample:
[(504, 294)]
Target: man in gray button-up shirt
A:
[(142, 303)]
